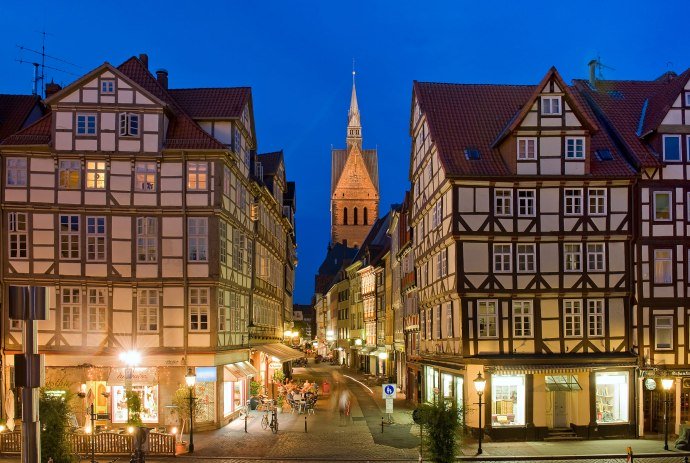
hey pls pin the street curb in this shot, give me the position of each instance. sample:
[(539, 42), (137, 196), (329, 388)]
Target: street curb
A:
[(621, 456)]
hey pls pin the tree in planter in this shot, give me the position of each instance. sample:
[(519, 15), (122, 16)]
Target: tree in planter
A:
[(181, 408), (133, 408), (254, 390), (54, 410), (441, 421)]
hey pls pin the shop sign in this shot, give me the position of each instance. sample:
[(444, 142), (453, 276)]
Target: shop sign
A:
[(206, 374), (650, 384), (275, 365), (388, 391), (140, 376)]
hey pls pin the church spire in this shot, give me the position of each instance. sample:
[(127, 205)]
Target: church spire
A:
[(354, 126)]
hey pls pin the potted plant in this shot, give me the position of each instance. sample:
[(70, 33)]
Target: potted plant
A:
[(133, 408), (280, 400), (254, 388), (180, 408)]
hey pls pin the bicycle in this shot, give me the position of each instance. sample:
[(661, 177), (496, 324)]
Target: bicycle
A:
[(274, 420), (273, 423), (267, 406)]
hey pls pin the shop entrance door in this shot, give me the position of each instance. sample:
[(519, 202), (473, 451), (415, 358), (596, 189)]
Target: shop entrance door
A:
[(654, 411), (560, 415)]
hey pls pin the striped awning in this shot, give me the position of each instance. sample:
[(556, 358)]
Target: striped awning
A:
[(280, 351), (549, 369)]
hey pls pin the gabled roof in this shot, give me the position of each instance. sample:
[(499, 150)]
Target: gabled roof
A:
[(474, 116), (339, 159), (377, 242), (659, 103), (212, 103), (14, 112), (271, 162)]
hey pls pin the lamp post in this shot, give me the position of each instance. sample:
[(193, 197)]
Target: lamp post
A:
[(190, 379), (131, 359), (479, 385), (666, 384)]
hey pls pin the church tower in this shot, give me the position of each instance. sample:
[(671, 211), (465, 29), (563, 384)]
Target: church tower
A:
[(354, 184)]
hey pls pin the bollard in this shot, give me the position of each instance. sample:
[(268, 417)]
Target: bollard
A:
[(246, 415), (630, 455), (305, 423), (381, 425)]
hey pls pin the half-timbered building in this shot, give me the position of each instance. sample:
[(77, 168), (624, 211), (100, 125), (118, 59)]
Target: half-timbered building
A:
[(132, 202), (521, 211), (650, 121)]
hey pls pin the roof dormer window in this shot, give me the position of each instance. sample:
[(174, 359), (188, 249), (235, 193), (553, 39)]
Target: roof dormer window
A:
[(574, 148), (107, 86), (671, 148), (551, 105), (472, 154), (526, 149)]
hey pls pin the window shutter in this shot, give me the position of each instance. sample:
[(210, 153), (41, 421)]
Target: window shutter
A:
[(123, 124)]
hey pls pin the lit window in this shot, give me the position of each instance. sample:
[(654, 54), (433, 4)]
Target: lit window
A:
[(18, 235), (508, 399), (526, 203), (612, 394), (96, 309), (197, 175), (572, 256), (145, 176), (86, 124), (69, 236), (662, 205), (572, 317), (95, 175), (147, 310), (522, 319), (597, 201), (596, 261), (70, 174), (595, 318), (671, 148), (71, 309), (503, 203), (107, 86), (551, 105), (574, 148), (95, 239), (487, 318), (663, 333), (573, 201), (663, 266), (147, 239), (526, 257), (197, 239), (502, 258), (198, 309), (129, 125), (526, 149), (16, 171)]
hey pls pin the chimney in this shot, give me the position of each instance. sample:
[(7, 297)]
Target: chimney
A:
[(593, 72), (52, 88), (162, 76), (144, 58)]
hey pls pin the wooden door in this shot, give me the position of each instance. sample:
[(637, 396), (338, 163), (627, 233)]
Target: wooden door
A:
[(560, 415)]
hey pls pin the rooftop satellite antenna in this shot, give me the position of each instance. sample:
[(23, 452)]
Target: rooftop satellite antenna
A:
[(40, 67)]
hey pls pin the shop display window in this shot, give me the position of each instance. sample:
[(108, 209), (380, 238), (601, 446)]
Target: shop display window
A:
[(431, 383), (612, 397), (459, 394), (233, 396), (507, 400), (149, 403), (447, 385)]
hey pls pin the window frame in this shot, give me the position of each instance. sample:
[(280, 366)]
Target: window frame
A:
[(602, 268), (101, 317), (197, 239), (197, 176), (670, 328), (146, 310), (96, 168), (201, 310), (129, 125), (523, 151), (574, 316), (532, 200), (533, 253), (597, 197), (595, 312), (73, 236), (96, 239), (147, 239), (488, 317), (105, 91), (667, 193), (667, 262), (503, 202), (574, 202), (87, 117), (69, 170), (526, 318), (143, 172), (567, 253), (500, 258), (551, 98), (17, 236), (73, 306), (680, 147), (575, 154), (16, 175)]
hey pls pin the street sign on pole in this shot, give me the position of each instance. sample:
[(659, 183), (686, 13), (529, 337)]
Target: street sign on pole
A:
[(389, 406), (389, 391)]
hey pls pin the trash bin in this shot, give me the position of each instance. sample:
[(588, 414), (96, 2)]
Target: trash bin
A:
[(325, 387)]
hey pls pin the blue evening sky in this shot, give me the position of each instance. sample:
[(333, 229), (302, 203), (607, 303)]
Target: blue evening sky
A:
[(297, 57)]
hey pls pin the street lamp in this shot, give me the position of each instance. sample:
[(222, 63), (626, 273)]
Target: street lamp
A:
[(190, 379), (666, 384), (479, 385), (131, 358)]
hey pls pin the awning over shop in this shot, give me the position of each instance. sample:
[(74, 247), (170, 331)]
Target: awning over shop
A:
[(562, 383), (365, 350), (280, 351), (548, 369), (140, 377), (239, 371), (377, 351)]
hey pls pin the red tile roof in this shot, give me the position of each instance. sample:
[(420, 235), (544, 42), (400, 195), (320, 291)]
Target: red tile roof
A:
[(466, 116), (659, 104), (212, 103), (14, 111), (37, 133)]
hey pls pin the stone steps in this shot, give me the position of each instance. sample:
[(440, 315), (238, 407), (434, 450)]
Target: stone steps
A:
[(561, 434)]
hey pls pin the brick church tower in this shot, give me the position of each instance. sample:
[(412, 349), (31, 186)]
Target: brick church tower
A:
[(354, 184)]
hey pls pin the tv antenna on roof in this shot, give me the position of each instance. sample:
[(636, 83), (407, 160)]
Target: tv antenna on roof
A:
[(596, 69), (40, 67)]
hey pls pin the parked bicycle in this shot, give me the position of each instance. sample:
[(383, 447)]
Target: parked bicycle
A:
[(271, 410)]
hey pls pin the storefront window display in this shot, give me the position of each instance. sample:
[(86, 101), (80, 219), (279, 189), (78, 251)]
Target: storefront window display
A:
[(149, 403), (459, 382), (447, 385), (431, 382), (233, 396), (508, 400), (612, 397)]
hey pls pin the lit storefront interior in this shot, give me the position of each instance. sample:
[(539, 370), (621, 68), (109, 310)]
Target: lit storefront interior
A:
[(448, 385), (236, 378), (508, 400), (271, 358)]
